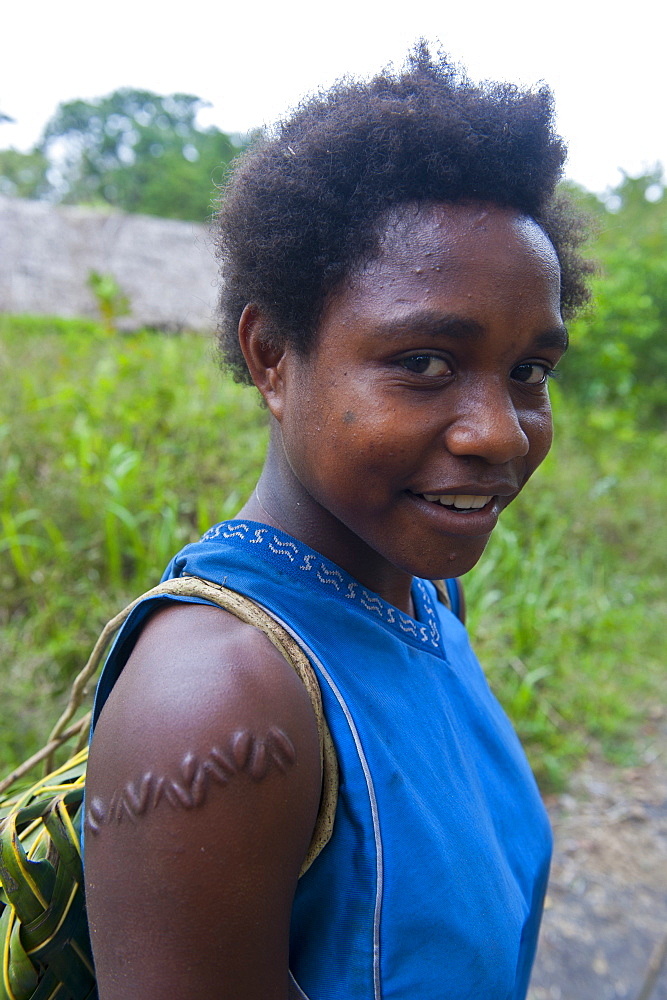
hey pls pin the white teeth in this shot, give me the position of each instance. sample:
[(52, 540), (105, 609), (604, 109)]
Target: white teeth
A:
[(459, 501)]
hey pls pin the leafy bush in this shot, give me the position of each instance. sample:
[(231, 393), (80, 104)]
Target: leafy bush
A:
[(618, 357)]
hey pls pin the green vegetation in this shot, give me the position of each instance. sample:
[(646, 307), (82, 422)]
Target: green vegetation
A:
[(114, 452), (111, 300), (618, 361), (117, 450)]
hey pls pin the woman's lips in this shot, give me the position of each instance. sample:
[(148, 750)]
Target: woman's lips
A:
[(457, 501), (461, 513)]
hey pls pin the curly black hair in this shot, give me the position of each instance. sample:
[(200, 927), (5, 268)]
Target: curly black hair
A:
[(301, 208)]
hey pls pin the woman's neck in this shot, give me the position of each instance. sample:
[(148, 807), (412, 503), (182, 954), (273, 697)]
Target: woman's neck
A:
[(279, 499)]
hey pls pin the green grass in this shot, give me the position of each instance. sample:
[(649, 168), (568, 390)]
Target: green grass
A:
[(117, 450), (114, 452)]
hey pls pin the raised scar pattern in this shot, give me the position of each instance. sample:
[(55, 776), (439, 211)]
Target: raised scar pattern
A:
[(244, 753)]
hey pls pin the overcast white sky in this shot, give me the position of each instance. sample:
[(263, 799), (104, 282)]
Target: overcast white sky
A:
[(254, 59)]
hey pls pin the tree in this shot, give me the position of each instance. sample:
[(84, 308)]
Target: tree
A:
[(138, 151)]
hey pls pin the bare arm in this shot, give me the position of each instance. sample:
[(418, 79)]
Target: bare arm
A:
[(202, 792)]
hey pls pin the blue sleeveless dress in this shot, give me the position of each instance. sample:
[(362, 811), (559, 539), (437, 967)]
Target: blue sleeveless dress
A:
[(433, 882)]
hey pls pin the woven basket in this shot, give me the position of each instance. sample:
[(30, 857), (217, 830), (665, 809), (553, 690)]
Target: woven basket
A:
[(43, 931), (44, 938)]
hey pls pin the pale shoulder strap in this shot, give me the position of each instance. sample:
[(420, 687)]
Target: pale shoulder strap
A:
[(442, 592), (445, 598)]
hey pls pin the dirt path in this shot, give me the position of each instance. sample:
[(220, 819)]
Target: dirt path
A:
[(606, 908)]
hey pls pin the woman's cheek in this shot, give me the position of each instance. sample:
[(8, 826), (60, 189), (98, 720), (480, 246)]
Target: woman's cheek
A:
[(538, 427)]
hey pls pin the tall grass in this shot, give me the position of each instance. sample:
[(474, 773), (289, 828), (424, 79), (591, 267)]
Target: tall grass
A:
[(115, 451)]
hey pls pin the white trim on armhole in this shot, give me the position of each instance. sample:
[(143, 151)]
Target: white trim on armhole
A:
[(379, 873)]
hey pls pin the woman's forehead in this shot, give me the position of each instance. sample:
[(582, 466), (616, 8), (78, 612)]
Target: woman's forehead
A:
[(454, 230), (472, 251)]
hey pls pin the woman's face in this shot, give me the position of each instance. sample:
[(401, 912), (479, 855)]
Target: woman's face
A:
[(422, 409)]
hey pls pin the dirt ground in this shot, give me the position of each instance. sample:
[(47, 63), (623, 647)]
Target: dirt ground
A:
[(606, 909)]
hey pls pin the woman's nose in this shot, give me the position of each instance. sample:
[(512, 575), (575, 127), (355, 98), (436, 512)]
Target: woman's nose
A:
[(487, 426)]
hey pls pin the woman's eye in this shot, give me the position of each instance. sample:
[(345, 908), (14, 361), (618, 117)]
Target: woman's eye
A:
[(425, 364), (532, 373)]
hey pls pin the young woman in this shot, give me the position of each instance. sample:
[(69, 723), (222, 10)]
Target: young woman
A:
[(395, 272)]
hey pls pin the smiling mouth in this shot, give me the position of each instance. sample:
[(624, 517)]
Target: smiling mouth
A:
[(460, 502)]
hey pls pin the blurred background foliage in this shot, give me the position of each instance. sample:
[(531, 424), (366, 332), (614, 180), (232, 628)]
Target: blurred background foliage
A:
[(115, 450), (133, 150), (618, 361)]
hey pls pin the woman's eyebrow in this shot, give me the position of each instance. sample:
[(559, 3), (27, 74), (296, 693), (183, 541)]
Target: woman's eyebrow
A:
[(462, 328), (557, 337), (432, 324)]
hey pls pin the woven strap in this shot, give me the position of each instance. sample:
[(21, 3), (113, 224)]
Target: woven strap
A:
[(443, 593)]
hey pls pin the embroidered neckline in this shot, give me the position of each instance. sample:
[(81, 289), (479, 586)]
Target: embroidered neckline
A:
[(288, 553)]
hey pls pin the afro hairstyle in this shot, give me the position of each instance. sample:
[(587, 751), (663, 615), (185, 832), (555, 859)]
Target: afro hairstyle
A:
[(301, 209)]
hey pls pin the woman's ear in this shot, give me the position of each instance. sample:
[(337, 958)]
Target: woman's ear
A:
[(264, 358)]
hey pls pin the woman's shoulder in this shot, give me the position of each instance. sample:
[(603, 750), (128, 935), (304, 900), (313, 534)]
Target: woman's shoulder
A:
[(204, 699), (198, 676), (203, 789)]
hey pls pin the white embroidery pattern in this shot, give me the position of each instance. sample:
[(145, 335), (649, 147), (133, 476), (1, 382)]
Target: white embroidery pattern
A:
[(284, 546), (433, 628), (408, 625), (371, 602), (235, 532), (327, 577)]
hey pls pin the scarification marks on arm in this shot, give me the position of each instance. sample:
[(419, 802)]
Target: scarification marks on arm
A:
[(243, 753)]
